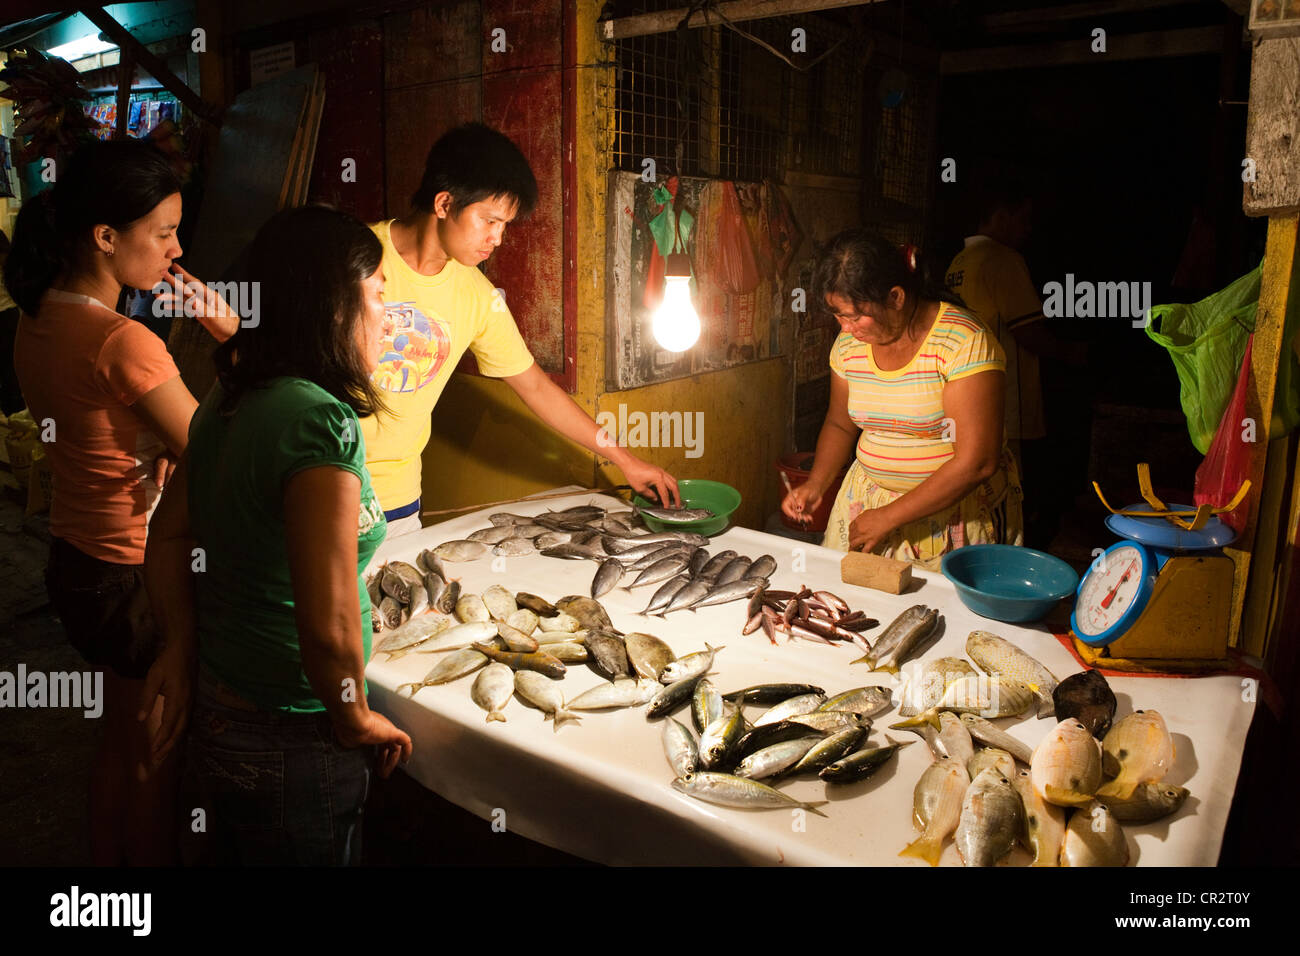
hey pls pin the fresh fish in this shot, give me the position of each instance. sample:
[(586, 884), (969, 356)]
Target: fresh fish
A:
[(771, 693), (502, 519), (863, 701), (659, 537), (546, 638), (376, 619), (609, 654), (987, 695), (470, 607), (493, 535), (674, 550), (446, 603), (1088, 698), (411, 634), (706, 705), (987, 757), (390, 611), (829, 750), (451, 667), (538, 661), (943, 731), (1093, 837), (690, 666), (995, 655), (460, 550), (713, 567), (990, 735), (589, 612), (607, 576), (828, 721), (793, 707), (515, 547), (699, 558), (492, 690), (552, 539), (457, 638), (544, 694), (680, 749), (499, 602), (635, 555), (677, 515), (434, 585), (687, 596), (901, 638), (394, 585), (574, 552), (524, 621), (927, 680), (567, 652), (936, 808), (373, 590), (734, 571), (621, 693), (1044, 823), (763, 567), (532, 530), (991, 819), (517, 640), (664, 595), (731, 591), (427, 561), (1147, 802), (647, 654), (860, 765), (1142, 751), (719, 739), (671, 697), (1066, 766), (727, 790), (563, 622), (775, 759), (539, 606), (661, 570), (760, 737)]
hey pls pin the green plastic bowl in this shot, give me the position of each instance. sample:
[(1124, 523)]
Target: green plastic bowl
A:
[(721, 499)]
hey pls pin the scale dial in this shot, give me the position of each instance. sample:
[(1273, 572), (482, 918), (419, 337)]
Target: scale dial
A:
[(1113, 594)]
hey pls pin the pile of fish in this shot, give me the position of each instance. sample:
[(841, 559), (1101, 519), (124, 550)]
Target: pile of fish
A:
[(1060, 804), (400, 591), (807, 614), (624, 550)]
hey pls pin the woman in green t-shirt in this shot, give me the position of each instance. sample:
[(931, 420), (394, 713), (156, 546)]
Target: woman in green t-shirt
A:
[(256, 550)]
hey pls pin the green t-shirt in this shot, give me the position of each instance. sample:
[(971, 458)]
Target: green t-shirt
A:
[(238, 466)]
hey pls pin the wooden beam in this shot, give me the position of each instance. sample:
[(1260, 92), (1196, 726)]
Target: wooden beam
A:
[(138, 52), (1046, 17), (1131, 46), (125, 77), (737, 11), (1273, 128)]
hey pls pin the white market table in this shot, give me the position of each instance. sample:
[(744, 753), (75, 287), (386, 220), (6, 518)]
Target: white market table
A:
[(601, 789)]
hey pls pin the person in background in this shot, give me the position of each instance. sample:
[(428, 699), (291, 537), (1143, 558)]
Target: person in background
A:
[(274, 493), (989, 274), (916, 389), (439, 304), (11, 395), (113, 414)]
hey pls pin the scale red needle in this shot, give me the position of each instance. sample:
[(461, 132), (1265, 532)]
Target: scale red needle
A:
[(1105, 602)]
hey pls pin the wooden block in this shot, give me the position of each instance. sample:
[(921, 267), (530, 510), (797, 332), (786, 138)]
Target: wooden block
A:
[(873, 571)]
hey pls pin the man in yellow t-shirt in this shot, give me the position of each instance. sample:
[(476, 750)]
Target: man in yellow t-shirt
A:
[(438, 304)]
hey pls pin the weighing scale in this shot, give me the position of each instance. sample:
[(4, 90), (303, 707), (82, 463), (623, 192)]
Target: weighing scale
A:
[(1161, 598)]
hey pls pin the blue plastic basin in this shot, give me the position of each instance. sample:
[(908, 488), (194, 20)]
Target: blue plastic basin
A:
[(1006, 583)]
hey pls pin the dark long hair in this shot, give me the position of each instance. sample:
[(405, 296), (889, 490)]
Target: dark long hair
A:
[(309, 263), (116, 183), (863, 266)]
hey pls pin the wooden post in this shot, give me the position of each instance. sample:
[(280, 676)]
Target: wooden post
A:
[(125, 77)]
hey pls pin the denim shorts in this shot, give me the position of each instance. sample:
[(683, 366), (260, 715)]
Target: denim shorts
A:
[(275, 788), (104, 609)]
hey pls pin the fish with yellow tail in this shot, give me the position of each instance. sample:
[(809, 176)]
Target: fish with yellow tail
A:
[(907, 632), (936, 808), (1140, 748), (1066, 766)]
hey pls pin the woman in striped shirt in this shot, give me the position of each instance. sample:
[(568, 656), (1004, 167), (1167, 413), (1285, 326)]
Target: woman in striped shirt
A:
[(917, 389)]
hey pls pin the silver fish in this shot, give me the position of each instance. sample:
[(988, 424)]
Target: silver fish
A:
[(943, 731), (671, 697), (427, 561), (706, 705), (659, 571), (731, 591), (607, 577), (688, 596), (492, 690), (647, 654), (763, 567), (1093, 837), (713, 567), (777, 758), (863, 701), (727, 790), (573, 552), (568, 652), (992, 816), (734, 571), (446, 602), (621, 693), (502, 519), (901, 638), (451, 667), (667, 551), (994, 655), (677, 515), (499, 602), (434, 585), (411, 634), (828, 721), (608, 654), (690, 666), (531, 530), (861, 764), (639, 551), (560, 637), (699, 558), (515, 547), (390, 611), (680, 749), (936, 808), (470, 607), (552, 539), (393, 584), (460, 550), (664, 595), (990, 735), (827, 750), (516, 640), (792, 707), (1044, 823), (927, 680), (523, 620), (1147, 802), (457, 638), (493, 535), (718, 740), (544, 694)]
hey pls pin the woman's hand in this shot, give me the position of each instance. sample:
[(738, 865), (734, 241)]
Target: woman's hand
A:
[(171, 677), (189, 296), (393, 745), (869, 529), (651, 482), (801, 502)]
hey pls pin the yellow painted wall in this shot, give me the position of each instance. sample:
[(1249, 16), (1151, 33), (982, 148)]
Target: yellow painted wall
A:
[(487, 446)]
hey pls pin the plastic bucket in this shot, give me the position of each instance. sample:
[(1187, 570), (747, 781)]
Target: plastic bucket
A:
[(793, 467)]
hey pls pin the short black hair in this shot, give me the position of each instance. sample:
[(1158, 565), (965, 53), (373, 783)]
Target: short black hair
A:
[(310, 262), (999, 188), (475, 162)]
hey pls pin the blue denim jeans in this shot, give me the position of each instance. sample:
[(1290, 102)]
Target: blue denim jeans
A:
[(275, 788)]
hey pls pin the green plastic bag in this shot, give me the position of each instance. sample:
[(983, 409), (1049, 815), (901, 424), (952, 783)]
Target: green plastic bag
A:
[(1207, 340)]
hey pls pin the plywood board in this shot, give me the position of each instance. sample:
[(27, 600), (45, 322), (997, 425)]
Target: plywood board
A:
[(1273, 128)]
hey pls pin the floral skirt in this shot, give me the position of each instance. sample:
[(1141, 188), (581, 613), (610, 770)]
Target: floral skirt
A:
[(990, 514)]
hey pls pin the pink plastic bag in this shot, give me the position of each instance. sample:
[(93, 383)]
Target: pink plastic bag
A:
[(1227, 463)]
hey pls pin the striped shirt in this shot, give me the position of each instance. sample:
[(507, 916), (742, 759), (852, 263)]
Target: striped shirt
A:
[(904, 436)]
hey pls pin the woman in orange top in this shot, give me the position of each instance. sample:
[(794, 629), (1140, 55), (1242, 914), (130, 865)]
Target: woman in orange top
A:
[(113, 412)]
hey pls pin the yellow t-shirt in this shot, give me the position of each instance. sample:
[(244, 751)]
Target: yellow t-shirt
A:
[(429, 323), (993, 280), (904, 437)]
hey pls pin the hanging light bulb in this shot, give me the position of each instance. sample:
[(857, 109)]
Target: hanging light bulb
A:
[(675, 324)]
